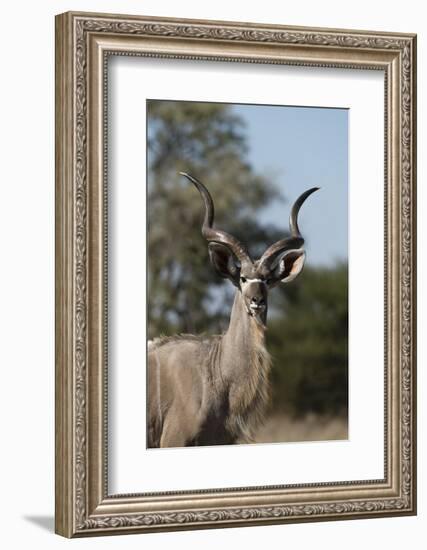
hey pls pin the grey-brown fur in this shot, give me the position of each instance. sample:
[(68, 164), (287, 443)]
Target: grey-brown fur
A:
[(214, 390)]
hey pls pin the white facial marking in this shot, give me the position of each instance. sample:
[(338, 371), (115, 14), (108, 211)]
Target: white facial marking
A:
[(250, 281), (255, 307)]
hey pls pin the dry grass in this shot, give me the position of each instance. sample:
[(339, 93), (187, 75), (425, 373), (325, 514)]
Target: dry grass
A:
[(280, 428)]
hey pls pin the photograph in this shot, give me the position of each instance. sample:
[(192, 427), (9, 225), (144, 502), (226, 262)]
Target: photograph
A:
[(213, 312), (235, 274), (247, 299)]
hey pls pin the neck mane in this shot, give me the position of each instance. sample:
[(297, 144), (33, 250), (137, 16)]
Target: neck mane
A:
[(245, 364)]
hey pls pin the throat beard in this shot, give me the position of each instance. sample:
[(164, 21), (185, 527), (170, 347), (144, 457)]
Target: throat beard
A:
[(259, 316)]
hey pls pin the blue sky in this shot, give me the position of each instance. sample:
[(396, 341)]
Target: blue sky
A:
[(303, 147)]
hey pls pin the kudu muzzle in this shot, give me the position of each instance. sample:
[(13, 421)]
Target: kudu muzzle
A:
[(255, 295)]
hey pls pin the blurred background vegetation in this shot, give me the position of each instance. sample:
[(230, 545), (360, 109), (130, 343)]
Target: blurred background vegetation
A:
[(308, 319)]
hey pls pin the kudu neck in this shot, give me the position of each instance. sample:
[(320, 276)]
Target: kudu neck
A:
[(242, 336)]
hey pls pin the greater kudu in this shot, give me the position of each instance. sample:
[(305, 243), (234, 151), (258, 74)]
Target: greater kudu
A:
[(213, 391)]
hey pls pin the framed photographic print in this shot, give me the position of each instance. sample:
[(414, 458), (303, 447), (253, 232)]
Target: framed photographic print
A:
[(235, 274)]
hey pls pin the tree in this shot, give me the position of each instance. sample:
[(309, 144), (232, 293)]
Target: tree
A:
[(208, 140), (309, 342)]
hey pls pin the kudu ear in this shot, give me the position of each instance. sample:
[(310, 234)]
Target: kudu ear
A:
[(289, 266), (224, 262)]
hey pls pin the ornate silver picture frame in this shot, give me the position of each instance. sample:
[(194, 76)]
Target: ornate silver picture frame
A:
[(84, 43)]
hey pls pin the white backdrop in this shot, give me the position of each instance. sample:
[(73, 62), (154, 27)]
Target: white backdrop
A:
[(361, 457), (27, 245)]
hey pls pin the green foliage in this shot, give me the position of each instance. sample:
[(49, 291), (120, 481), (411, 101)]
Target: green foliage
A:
[(308, 338), (208, 140), (307, 327)]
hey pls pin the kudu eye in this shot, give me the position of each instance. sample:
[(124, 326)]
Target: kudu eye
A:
[(243, 279)]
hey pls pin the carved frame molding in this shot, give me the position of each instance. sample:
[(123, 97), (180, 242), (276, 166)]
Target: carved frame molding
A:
[(83, 43)]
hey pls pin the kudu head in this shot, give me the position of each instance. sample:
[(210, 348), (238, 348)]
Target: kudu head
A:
[(281, 262)]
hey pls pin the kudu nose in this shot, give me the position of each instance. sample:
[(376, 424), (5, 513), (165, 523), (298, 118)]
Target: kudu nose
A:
[(257, 300)]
